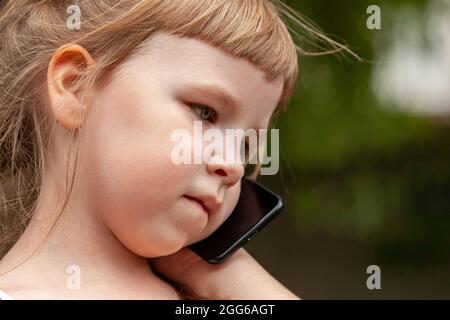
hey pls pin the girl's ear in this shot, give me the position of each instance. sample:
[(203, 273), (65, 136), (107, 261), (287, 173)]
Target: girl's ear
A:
[(66, 65)]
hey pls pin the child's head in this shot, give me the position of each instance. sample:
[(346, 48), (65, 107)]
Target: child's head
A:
[(100, 104), (126, 173)]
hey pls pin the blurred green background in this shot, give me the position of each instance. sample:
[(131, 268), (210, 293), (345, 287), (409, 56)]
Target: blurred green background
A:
[(365, 158)]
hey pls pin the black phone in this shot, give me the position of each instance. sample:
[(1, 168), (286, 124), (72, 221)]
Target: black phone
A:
[(256, 207)]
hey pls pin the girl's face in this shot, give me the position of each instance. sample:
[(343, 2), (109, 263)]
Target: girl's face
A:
[(131, 181)]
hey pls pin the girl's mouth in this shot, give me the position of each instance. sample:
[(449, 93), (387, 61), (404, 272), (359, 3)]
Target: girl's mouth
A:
[(197, 202)]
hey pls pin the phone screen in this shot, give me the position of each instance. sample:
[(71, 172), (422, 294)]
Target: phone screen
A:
[(256, 207)]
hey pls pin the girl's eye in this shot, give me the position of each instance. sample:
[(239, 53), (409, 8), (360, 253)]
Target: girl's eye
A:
[(205, 113), (209, 114)]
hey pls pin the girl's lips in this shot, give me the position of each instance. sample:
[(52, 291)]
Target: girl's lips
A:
[(197, 203), (209, 202)]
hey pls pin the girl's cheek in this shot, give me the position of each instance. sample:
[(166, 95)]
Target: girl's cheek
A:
[(231, 198)]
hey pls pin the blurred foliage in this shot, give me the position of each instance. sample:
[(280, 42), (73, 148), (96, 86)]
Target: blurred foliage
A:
[(362, 169)]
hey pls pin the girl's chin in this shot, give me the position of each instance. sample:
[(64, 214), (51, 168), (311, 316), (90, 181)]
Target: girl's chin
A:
[(154, 250), (167, 244), (167, 249)]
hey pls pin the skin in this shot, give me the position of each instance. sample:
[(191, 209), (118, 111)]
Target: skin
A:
[(128, 201)]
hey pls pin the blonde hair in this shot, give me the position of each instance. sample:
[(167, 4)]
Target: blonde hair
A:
[(32, 30)]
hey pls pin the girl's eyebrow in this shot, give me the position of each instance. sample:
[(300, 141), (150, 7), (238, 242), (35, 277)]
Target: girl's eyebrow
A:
[(215, 92)]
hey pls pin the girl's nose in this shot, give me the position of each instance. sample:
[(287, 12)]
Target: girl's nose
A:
[(230, 173)]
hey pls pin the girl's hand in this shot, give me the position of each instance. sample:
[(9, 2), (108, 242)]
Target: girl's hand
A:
[(239, 277)]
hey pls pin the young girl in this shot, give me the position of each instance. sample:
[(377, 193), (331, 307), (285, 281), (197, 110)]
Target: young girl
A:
[(92, 205)]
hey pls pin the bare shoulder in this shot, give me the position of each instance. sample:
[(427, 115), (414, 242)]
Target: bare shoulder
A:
[(16, 288)]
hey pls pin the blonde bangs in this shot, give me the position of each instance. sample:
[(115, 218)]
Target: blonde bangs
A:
[(250, 29)]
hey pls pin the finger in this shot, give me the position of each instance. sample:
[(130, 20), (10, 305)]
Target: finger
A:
[(186, 268)]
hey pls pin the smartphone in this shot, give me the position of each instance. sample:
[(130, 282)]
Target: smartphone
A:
[(256, 207)]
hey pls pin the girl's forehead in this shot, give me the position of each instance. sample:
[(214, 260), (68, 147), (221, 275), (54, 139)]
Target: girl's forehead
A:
[(186, 59), (177, 50)]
